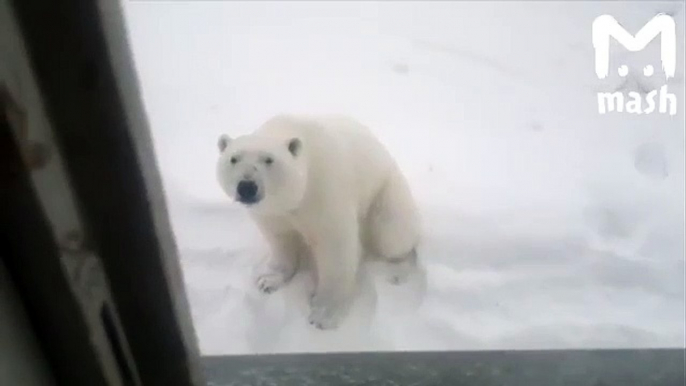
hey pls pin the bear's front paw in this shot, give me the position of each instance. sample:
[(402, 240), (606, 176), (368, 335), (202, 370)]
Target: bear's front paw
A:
[(270, 282), (325, 314)]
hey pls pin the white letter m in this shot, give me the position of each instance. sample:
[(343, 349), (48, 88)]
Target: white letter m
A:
[(605, 26)]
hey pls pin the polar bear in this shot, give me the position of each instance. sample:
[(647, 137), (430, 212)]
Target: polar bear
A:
[(323, 188)]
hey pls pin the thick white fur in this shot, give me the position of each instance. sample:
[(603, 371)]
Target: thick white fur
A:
[(337, 197)]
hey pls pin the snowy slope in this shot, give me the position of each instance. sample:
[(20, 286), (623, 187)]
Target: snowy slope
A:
[(547, 225)]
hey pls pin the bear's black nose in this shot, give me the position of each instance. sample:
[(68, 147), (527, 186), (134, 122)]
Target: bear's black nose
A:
[(247, 191)]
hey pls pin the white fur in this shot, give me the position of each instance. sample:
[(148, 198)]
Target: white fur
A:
[(340, 196)]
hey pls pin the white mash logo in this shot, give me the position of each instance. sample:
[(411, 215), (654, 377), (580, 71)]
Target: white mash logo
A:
[(605, 26)]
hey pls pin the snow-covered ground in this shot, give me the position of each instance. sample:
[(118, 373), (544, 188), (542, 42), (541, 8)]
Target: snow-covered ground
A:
[(547, 225)]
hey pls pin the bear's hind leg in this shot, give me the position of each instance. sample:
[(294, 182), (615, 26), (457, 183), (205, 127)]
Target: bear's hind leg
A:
[(402, 267), (394, 227)]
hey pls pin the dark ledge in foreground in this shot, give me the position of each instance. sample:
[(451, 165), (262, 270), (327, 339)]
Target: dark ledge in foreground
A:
[(664, 367)]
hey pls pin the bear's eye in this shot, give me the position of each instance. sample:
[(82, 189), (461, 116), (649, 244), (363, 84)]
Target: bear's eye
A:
[(269, 160), (234, 160)]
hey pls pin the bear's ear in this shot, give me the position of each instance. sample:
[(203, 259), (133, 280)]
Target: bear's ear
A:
[(223, 142), (294, 146)]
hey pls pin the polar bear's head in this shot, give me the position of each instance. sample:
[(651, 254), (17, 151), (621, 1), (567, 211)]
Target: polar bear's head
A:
[(266, 174)]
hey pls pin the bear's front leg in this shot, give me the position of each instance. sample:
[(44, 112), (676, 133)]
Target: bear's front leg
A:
[(285, 247), (336, 253)]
